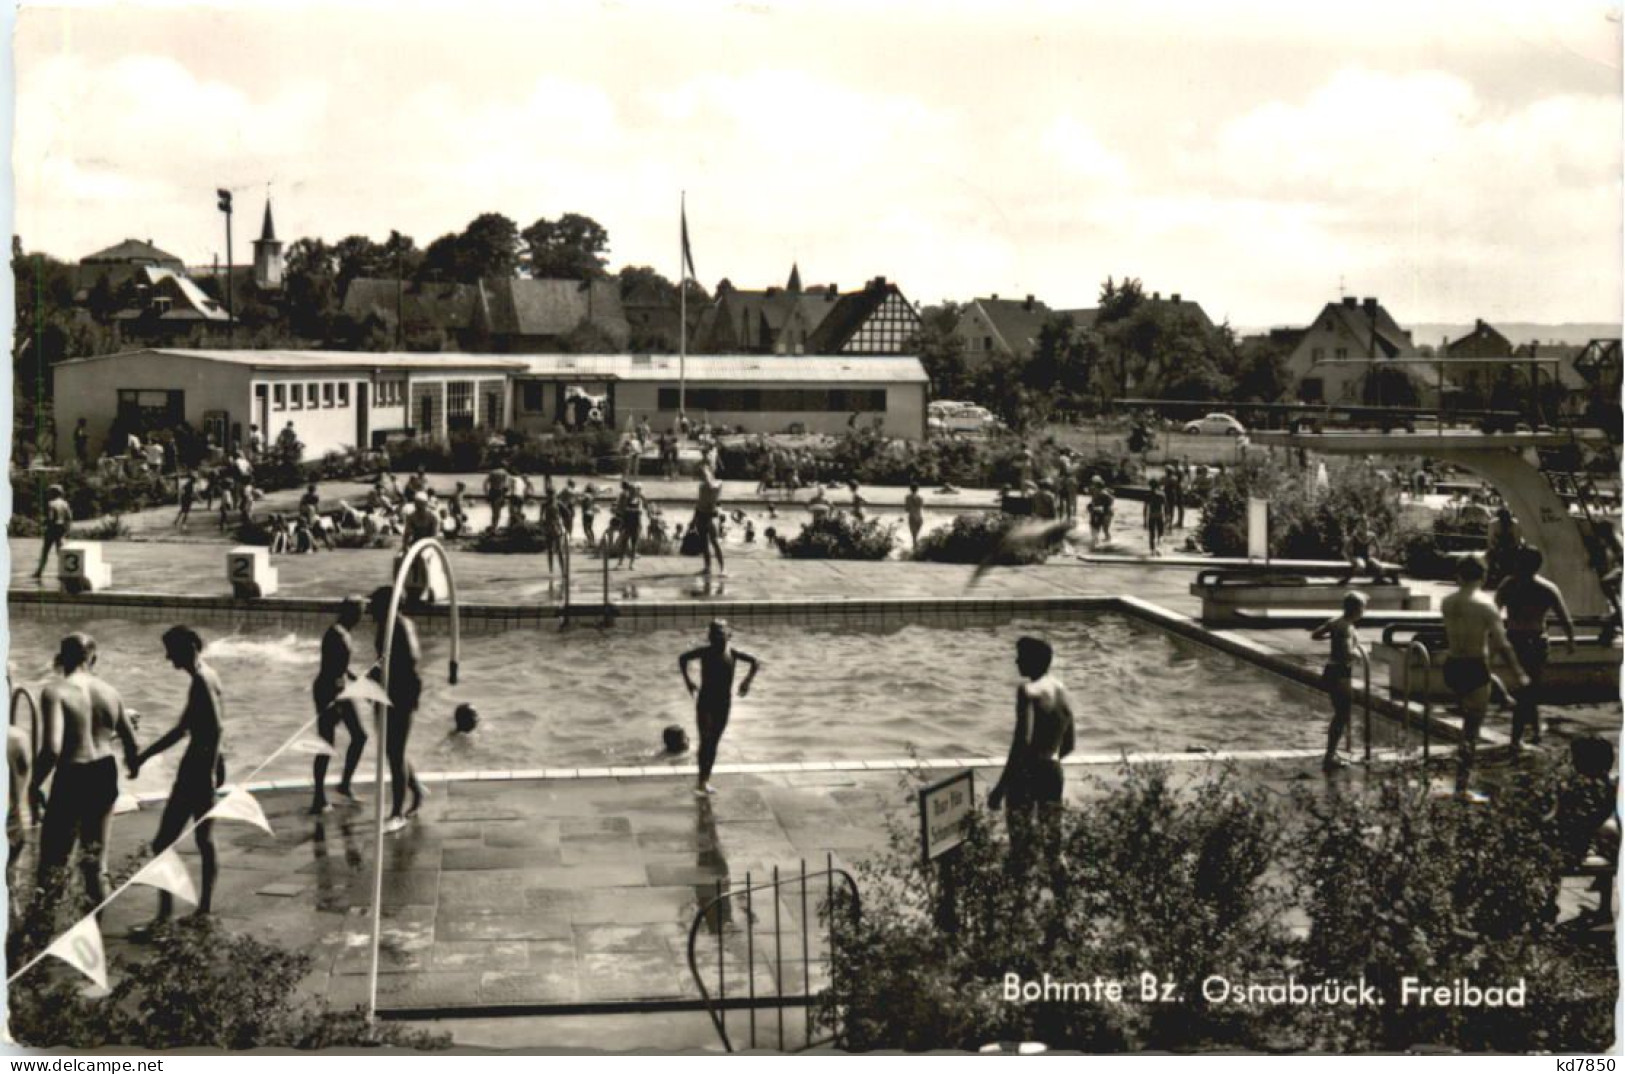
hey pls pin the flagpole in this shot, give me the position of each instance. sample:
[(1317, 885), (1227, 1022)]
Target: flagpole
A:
[(682, 312)]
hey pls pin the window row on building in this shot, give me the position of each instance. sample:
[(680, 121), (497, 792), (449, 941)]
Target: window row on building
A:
[(779, 400)]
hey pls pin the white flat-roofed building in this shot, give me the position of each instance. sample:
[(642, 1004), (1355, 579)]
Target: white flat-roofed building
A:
[(334, 399), (338, 399), (759, 392)]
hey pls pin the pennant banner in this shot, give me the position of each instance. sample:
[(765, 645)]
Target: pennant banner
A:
[(240, 805), (168, 873), (81, 948), (365, 690)]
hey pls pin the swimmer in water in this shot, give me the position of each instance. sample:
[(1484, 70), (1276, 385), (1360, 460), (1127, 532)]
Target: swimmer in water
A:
[(465, 720), (192, 795), (714, 695), (1472, 626), (1338, 677)]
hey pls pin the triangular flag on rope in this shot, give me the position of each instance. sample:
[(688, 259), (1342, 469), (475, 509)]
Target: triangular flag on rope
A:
[(81, 948), (168, 873), (240, 805), (365, 690), (314, 746)]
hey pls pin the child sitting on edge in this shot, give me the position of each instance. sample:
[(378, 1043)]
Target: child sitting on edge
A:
[(1338, 677)]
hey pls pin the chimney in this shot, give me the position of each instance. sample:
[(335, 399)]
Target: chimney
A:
[(1351, 302), (1156, 296), (832, 294), (1028, 305), (1174, 298), (1370, 306), (1479, 324), (995, 296), (879, 282)]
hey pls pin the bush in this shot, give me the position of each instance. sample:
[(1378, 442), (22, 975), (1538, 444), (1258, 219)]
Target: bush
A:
[(524, 538), (838, 535), (1380, 881), (1305, 522), (973, 537), (202, 988)]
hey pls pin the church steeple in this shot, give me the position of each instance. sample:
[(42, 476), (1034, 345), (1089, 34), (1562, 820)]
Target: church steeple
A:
[(795, 279), (268, 255)]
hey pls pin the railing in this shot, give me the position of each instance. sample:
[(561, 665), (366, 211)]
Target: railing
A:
[(716, 914), (1415, 648), (1348, 732)]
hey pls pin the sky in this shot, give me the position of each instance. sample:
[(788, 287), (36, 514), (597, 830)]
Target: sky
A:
[(1456, 160)]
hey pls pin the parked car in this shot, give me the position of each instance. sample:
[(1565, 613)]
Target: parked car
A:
[(1216, 425), (971, 419)]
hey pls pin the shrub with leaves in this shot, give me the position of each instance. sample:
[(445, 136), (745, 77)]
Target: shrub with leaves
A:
[(973, 537), (1306, 522), (838, 535), (201, 987)]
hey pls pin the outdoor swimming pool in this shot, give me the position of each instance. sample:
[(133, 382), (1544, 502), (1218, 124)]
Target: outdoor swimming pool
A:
[(587, 698)]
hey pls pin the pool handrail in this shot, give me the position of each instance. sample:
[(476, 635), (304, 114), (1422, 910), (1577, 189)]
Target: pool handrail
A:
[(426, 545), (1419, 648)]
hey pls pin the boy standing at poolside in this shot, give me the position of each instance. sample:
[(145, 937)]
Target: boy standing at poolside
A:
[(714, 696), (914, 507), (1472, 625), (58, 519), (1032, 778), (192, 795), (1339, 674)]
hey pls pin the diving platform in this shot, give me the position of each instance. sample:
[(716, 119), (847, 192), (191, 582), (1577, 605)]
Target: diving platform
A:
[(1511, 463)]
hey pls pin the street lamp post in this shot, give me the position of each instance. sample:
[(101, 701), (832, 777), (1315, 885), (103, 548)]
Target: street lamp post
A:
[(231, 312)]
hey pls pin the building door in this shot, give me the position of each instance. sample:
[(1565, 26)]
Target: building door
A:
[(361, 402), (262, 409)]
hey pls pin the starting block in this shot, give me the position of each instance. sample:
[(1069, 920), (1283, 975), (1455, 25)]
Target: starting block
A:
[(249, 570), (80, 567)]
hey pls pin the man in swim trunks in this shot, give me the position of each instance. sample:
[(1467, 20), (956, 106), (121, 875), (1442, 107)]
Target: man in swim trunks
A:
[(496, 493), (58, 519), (1032, 779), (553, 528), (714, 696), (405, 691), (1338, 677), (79, 716), (1472, 626), (1528, 599), (629, 512), (914, 508), (1156, 516), (705, 520), (200, 771), (334, 676), (1101, 501)]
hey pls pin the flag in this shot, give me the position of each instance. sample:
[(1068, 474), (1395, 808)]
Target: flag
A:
[(688, 254), (365, 690), (168, 873), (314, 746), (81, 948), (240, 805)]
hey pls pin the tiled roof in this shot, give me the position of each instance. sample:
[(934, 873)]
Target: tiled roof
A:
[(734, 368), (443, 305), (522, 307), (323, 360), (1017, 321), (132, 250), (848, 315), (188, 301)]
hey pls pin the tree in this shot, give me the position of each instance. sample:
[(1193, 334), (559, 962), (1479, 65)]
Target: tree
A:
[(1261, 373), (941, 351), (488, 247), (309, 282), (570, 248), (358, 257), (1063, 363)]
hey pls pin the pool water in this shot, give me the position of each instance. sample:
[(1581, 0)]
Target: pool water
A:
[(588, 698)]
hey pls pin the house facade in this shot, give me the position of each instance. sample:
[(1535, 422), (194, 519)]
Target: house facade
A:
[(1341, 346)]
